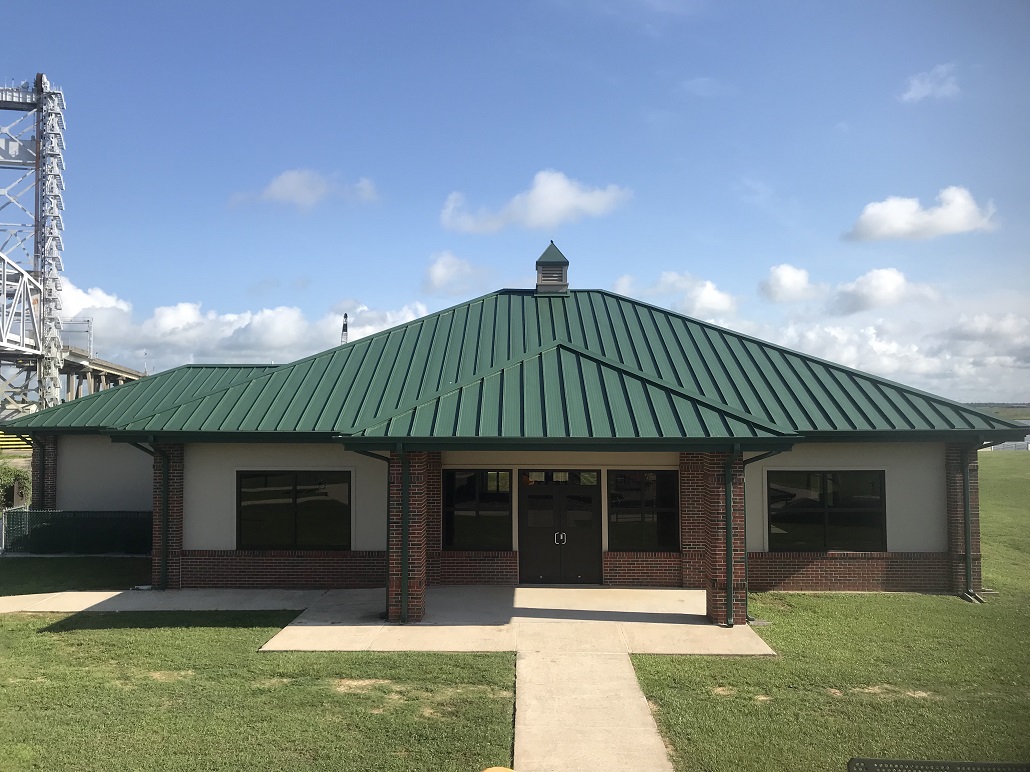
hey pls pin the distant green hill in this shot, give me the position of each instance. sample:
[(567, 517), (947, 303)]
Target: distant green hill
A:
[(1008, 410)]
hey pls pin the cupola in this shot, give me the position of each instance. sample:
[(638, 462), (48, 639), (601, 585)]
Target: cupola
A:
[(552, 271)]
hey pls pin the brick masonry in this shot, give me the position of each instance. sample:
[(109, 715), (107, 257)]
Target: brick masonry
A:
[(457, 567), (418, 468), (44, 471), (642, 569), (853, 571), (719, 590), (166, 555), (291, 569)]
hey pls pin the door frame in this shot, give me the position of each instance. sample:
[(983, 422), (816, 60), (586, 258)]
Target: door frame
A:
[(599, 509)]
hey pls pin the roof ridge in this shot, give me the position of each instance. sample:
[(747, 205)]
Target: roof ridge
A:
[(714, 404), (586, 354), (810, 357)]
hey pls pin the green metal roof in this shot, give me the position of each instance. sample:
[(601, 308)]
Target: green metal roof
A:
[(564, 392), (515, 365), (113, 407)]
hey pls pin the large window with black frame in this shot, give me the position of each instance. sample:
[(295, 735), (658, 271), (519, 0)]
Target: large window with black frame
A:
[(293, 510), (820, 511), (643, 511), (477, 509)]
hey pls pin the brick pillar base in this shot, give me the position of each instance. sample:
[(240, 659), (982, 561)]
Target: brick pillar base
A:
[(159, 564), (417, 511)]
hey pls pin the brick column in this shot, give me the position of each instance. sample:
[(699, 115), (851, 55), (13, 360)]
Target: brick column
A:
[(715, 573), (693, 522), (956, 516), (44, 471), (175, 454), (418, 508), (434, 516)]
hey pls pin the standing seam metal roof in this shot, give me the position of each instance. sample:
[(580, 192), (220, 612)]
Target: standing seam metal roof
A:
[(598, 361)]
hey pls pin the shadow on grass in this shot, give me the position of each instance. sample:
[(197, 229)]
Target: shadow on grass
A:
[(153, 620)]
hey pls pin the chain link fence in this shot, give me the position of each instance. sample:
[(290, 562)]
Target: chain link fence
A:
[(53, 531)]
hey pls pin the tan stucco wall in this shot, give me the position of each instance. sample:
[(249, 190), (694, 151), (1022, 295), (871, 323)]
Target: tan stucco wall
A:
[(209, 489), (559, 460), (914, 478), (94, 473)]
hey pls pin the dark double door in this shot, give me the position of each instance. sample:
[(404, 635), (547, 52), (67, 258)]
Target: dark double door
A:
[(559, 527)]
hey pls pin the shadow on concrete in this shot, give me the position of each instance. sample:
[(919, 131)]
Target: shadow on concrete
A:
[(153, 620)]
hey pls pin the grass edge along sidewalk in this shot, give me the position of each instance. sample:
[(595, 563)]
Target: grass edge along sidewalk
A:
[(874, 675), (176, 690)]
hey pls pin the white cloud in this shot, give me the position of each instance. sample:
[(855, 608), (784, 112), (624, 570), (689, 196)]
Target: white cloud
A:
[(186, 332), (938, 83), (449, 274), (787, 284), (876, 289), (306, 188), (75, 300), (870, 348), (365, 190), (702, 87), (552, 200), (705, 299), (1001, 338), (904, 218), (299, 187), (688, 294)]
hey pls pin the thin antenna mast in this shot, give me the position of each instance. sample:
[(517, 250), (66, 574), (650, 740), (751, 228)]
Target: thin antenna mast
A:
[(343, 332)]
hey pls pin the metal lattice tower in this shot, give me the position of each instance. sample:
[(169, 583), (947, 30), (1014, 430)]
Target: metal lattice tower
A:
[(31, 166)]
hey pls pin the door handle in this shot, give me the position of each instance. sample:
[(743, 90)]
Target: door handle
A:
[(564, 538), (556, 535)]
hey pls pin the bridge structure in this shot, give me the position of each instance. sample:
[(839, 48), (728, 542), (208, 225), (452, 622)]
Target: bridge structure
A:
[(37, 370)]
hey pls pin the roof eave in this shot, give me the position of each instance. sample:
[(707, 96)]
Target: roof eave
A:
[(915, 435), (624, 445)]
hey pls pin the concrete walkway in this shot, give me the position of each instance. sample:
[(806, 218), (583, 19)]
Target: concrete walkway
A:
[(554, 619), (578, 705)]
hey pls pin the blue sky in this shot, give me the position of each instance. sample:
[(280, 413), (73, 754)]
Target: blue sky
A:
[(848, 179)]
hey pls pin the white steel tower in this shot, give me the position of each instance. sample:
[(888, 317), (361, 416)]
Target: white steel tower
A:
[(31, 163)]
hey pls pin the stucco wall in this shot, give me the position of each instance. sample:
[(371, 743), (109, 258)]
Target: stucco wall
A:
[(209, 489), (914, 479), (559, 460), (94, 473)]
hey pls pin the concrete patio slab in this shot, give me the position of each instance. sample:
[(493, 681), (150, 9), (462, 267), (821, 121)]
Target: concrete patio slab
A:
[(570, 637), (445, 638)]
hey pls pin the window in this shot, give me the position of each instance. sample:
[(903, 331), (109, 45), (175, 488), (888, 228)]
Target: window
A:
[(820, 511), (477, 509), (643, 511), (293, 510)]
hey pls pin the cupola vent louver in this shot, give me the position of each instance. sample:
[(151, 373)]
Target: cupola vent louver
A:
[(552, 271)]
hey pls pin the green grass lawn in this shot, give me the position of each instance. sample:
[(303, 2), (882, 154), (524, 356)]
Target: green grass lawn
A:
[(24, 576), (897, 676), (177, 691)]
